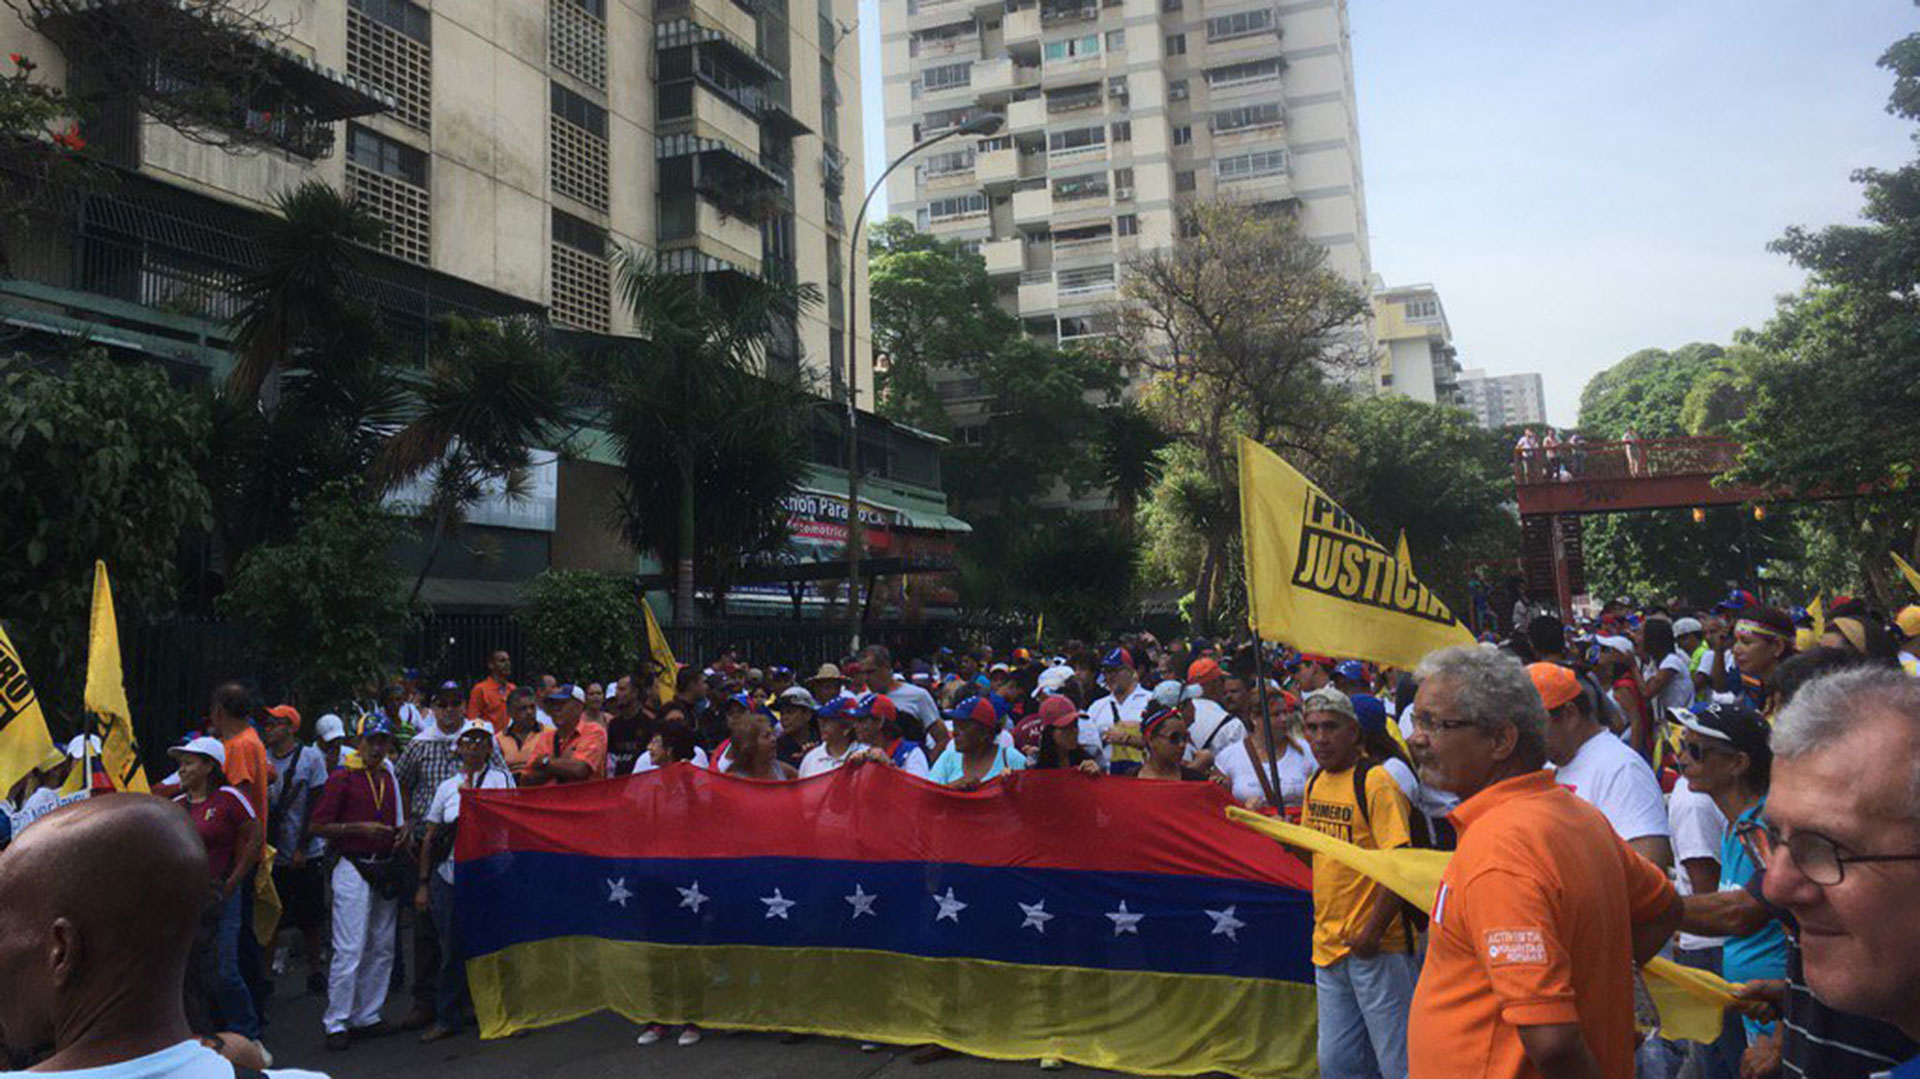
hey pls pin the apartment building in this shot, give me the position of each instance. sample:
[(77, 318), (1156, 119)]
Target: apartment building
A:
[(1115, 112), (1417, 357), (509, 146), (1503, 400)]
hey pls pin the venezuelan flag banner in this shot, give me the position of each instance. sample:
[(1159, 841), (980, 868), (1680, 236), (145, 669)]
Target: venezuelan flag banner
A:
[(1114, 923)]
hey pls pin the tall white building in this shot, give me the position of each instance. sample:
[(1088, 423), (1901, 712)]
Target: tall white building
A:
[(1502, 400), (1417, 358), (1116, 112)]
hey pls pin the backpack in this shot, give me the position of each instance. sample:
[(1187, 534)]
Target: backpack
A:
[(1418, 826)]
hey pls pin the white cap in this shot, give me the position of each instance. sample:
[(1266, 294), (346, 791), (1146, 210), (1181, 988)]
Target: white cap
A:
[(82, 744), (578, 693), (1686, 626), (1168, 694), (1051, 680), (329, 727), (472, 725), (205, 747), (1617, 644)]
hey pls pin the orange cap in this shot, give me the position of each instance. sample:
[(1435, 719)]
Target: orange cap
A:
[(287, 712), (1555, 684), (1202, 669)]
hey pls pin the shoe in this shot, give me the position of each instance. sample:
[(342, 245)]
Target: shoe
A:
[(338, 1040), (374, 1030), (927, 1054), (689, 1036), (869, 1047), (1051, 1064), (650, 1035), (436, 1032), (419, 1017), (792, 1038)]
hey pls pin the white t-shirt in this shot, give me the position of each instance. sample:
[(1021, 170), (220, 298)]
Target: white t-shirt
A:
[(186, 1060), (1213, 728), (445, 807), (645, 763), (1697, 825), (1108, 711), (818, 761), (1289, 774), (908, 697), (1607, 774), (1679, 691)]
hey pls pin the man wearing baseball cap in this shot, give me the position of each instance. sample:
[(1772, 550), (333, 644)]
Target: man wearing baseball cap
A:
[(1111, 729), (477, 767), (1312, 672), (299, 772), (361, 812), (837, 743), (573, 751), (1599, 768), (1211, 726)]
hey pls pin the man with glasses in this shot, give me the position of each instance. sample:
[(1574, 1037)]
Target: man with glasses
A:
[(1724, 754), (1543, 912), (1842, 846), (1363, 964)]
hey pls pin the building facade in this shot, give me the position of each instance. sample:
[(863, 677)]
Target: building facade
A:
[(510, 147), (1115, 112), (1417, 357), (1503, 400)]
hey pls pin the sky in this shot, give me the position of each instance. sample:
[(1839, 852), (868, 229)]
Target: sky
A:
[(1581, 181)]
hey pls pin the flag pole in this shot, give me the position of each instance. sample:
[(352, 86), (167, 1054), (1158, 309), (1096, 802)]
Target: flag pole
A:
[(1268, 783)]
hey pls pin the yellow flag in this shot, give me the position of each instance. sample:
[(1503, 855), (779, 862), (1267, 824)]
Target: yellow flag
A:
[(24, 741), (1690, 1001), (1040, 630), (662, 655), (106, 696), (1912, 575), (1402, 555), (1817, 610), (1320, 582)]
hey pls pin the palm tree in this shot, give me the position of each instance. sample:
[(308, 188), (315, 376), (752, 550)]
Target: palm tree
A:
[(712, 438), (494, 395), (1130, 459)]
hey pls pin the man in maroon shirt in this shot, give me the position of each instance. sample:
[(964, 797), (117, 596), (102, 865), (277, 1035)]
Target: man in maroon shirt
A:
[(360, 813)]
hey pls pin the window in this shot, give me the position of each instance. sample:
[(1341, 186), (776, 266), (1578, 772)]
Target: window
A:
[(1172, 5), (1177, 90), (1071, 188), (582, 236), (579, 112), (1423, 310), (949, 163), (581, 292), (1183, 181), (1247, 166), (1116, 40), (389, 47), (595, 8), (375, 152), (409, 18), (1117, 86), (940, 120), (1239, 24), (1265, 114), (1123, 182), (947, 76), (967, 205), (1242, 74), (1176, 44), (1183, 134), (1077, 140), (1126, 225), (1123, 131), (577, 40), (389, 179), (1070, 48), (1084, 279)]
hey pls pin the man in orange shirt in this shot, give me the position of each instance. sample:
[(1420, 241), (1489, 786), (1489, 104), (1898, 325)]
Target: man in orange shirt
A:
[(488, 701), (1543, 912), (573, 751)]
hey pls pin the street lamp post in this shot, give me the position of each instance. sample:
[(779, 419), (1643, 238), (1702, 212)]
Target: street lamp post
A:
[(979, 126)]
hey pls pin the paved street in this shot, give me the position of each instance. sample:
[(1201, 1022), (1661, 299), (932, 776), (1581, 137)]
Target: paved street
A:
[(599, 1045)]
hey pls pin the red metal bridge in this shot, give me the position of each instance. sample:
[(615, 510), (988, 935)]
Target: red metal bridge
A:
[(1556, 486)]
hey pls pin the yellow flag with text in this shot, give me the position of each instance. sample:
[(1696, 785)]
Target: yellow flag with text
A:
[(1690, 1002), (106, 695), (24, 741), (666, 669), (1401, 554), (1321, 583)]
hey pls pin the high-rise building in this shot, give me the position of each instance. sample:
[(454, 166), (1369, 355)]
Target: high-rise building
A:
[(1502, 400), (1416, 345), (509, 146), (1116, 112)]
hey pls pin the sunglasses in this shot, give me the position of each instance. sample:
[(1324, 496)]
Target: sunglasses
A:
[(1698, 751), (1178, 738)]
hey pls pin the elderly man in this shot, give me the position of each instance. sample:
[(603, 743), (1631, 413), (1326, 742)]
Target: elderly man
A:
[(572, 751), (1364, 969), (1597, 766), (1842, 841), (94, 969), (1543, 911)]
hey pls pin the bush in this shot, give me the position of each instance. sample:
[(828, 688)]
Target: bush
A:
[(583, 625)]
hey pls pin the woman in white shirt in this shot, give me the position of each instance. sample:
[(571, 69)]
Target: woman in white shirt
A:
[(1286, 762)]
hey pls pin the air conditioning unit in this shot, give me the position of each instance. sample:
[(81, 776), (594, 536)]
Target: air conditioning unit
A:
[(1122, 194)]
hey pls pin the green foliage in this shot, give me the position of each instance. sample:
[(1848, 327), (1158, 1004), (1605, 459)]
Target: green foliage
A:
[(934, 309), (97, 460), (325, 611), (1645, 392), (1721, 397), (1044, 425), (1072, 568), (582, 625)]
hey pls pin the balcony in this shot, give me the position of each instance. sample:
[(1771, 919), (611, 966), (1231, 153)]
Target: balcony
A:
[(1067, 245), (1021, 28), (1027, 116), (1005, 258), (1037, 293), (994, 79), (1033, 206), (1062, 12), (722, 15), (997, 168), (693, 223)]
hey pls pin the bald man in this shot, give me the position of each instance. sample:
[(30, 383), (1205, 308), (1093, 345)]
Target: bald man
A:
[(94, 970)]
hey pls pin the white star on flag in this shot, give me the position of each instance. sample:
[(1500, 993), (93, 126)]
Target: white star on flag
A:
[(777, 905), (950, 907), (1037, 915), (617, 892), (691, 898), (862, 902), (1125, 922), (1226, 925)]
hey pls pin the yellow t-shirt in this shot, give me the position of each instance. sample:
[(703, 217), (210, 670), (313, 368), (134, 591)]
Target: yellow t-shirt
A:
[(1341, 896)]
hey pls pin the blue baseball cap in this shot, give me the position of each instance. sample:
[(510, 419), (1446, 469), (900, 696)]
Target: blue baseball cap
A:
[(1119, 657), (1371, 712), (978, 709), (1351, 669), (373, 723)]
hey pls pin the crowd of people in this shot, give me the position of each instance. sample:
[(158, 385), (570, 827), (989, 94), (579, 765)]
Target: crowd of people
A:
[(1723, 786)]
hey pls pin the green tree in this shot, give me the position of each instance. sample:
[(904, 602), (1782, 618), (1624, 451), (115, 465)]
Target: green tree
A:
[(712, 440), (1066, 567), (1131, 458), (582, 625), (327, 610), (934, 310), (1245, 330), (98, 459)]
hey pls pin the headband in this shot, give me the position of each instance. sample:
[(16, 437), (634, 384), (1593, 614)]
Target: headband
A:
[(1760, 629)]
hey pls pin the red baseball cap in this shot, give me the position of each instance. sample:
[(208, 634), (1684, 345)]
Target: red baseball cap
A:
[(978, 709), (1058, 711), (287, 712), (1202, 669)]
